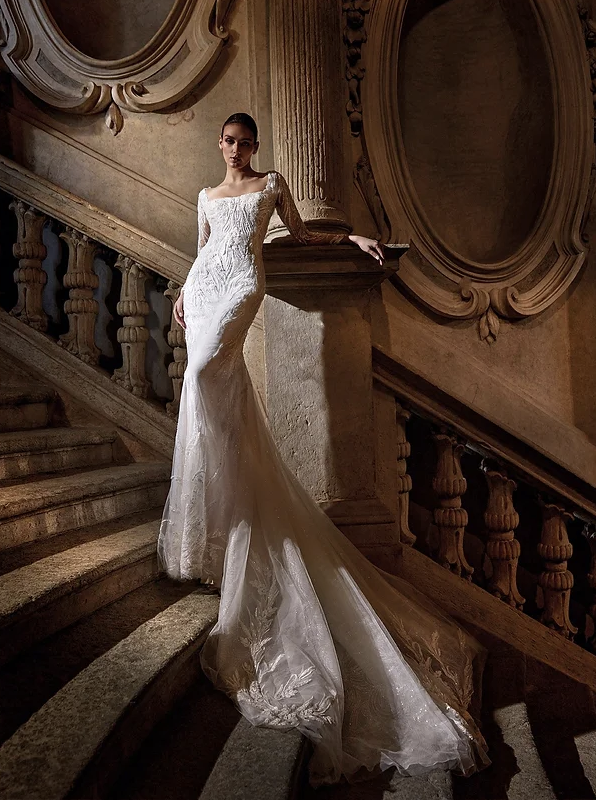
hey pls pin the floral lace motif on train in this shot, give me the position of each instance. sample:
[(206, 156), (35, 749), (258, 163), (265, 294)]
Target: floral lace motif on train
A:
[(247, 684), (441, 679)]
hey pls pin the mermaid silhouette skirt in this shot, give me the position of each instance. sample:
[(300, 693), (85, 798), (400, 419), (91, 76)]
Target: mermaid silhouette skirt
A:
[(310, 635)]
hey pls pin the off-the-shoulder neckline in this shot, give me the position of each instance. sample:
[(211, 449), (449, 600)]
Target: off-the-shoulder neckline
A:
[(236, 196)]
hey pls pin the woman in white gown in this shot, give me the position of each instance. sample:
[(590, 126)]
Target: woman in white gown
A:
[(310, 634)]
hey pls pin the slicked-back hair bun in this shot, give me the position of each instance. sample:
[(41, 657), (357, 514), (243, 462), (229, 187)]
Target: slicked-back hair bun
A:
[(242, 119)]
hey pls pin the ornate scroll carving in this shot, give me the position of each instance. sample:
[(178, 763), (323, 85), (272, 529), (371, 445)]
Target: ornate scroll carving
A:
[(176, 59), (450, 518), (133, 335), (177, 342), (556, 582), (80, 307), (537, 265), (354, 37), (589, 31), (404, 481), (502, 549), (29, 275)]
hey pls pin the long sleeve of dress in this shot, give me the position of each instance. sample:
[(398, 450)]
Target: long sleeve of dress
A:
[(203, 229), (203, 226), (290, 216)]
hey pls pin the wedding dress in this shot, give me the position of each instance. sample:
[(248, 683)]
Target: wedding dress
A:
[(310, 634)]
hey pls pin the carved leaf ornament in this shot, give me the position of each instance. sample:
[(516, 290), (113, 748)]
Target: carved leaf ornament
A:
[(479, 125), (166, 69)]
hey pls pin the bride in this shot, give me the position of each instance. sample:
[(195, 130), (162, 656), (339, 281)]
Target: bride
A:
[(310, 634)]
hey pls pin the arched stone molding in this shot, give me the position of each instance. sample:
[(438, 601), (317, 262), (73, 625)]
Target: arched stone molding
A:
[(173, 62), (522, 277)]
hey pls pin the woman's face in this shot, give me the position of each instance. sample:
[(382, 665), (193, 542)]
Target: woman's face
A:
[(237, 145)]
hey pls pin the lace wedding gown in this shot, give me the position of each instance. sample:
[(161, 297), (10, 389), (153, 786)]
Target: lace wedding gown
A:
[(310, 634)]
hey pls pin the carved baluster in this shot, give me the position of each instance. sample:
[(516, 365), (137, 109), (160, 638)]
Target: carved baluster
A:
[(177, 342), (80, 307), (29, 275), (590, 534), (450, 518), (556, 582), (133, 335), (404, 481), (502, 549)]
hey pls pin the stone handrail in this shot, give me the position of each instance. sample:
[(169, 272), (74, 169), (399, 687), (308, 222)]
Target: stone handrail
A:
[(508, 464), (76, 213)]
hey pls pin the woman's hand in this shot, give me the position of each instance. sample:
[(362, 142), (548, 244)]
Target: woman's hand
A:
[(179, 310), (371, 246)]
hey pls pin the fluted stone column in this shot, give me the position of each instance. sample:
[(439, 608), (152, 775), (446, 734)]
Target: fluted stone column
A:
[(309, 121)]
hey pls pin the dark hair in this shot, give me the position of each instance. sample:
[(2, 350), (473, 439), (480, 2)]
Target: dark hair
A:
[(242, 119)]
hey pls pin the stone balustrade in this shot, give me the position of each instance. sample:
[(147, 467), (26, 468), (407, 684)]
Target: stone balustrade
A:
[(75, 293), (489, 517)]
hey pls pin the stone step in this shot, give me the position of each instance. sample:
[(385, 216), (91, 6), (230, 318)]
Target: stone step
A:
[(25, 453), (77, 743), (31, 678), (176, 759), (516, 771), (43, 597), (24, 406), (29, 553), (259, 762), (38, 509)]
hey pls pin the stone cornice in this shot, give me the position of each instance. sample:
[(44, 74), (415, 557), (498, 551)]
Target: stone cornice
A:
[(178, 56), (295, 266)]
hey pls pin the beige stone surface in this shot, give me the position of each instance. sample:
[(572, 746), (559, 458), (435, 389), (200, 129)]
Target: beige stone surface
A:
[(24, 590), (28, 452), (522, 382), (48, 753), (47, 595), (88, 386), (150, 174), (319, 389), (37, 509)]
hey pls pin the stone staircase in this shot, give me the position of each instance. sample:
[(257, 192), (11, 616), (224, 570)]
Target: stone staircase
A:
[(102, 693), (78, 580)]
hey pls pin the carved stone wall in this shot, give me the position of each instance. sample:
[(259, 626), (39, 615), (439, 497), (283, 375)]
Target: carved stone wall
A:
[(466, 252), (149, 174), (160, 72), (479, 128)]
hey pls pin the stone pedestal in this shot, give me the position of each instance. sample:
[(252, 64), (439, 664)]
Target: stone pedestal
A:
[(334, 429), (307, 97)]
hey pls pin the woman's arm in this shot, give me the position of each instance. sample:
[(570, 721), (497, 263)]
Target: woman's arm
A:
[(290, 216), (202, 236), (203, 229), (203, 226)]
